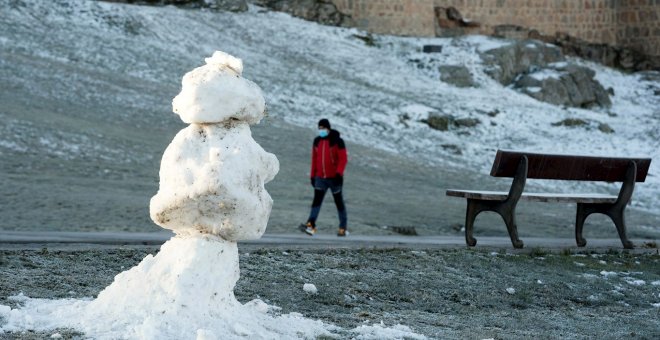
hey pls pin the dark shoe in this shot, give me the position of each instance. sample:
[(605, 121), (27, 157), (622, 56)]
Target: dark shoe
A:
[(342, 232)]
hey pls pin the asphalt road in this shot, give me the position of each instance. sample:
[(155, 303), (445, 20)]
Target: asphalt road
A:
[(88, 240)]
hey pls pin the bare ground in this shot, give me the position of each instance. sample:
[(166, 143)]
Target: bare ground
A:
[(441, 293)]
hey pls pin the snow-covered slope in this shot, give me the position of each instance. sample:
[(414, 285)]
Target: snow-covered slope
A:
[(374, 95)]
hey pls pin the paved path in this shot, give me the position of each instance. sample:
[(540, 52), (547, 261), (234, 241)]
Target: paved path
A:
[(77, 240)]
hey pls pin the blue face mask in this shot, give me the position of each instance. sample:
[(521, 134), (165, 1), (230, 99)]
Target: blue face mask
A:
[(323, 133)]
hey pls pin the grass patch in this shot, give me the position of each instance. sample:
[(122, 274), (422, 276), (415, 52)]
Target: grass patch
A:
[(538, 252)]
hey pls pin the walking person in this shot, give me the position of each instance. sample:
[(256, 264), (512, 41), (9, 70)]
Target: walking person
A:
[(328, 164)]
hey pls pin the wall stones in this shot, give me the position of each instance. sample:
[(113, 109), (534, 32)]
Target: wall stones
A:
[(399, 17), (629, 24)]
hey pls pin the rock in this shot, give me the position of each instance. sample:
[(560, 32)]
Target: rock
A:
[(224, 5), (571, 122), (505, 63), (588, 124), (321, 11), (605, 128), (444, 122), (466, 122), (628, 59), (456, 75), (228, 5), (368, 39), (513, 32), (564, 84), (453, 14), (624, 58), (439, 122), (450, 22), (453, 148), (432, 48), (651, 76), (493, 113)]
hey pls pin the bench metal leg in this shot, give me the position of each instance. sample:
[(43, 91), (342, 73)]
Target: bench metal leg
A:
[(509, 216), (470, 215), (580, 217), (614, 211), (506, 208), (503, 208), (620, 222)]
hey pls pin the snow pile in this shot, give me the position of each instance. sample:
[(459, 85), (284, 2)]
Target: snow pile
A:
[(310, 288)]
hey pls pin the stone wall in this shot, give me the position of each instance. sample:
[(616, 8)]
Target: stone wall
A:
[(398, 17), (590, 20), (627, 23), (639, 25)]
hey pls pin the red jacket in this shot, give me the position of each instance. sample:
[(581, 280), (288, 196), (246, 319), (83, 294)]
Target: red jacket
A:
[(328, 156)]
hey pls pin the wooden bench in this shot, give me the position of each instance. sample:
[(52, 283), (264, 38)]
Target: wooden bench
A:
[(523, 165)]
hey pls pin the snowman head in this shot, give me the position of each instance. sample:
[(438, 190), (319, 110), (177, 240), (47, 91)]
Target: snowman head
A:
[(216, 92)]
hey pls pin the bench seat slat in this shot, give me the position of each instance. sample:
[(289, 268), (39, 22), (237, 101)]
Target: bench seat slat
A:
[(536, 197)]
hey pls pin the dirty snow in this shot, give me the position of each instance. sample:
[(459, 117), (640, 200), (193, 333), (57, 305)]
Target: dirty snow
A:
[(380, 331)]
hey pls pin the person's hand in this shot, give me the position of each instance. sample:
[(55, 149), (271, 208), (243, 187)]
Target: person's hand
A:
[(339, 180), (312, 181)]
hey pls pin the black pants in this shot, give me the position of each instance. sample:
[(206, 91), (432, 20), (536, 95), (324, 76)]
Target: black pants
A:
[(321, 185)]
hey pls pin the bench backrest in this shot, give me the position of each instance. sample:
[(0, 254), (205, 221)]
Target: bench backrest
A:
[(568, 167)]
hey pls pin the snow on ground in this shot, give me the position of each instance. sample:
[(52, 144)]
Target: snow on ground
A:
[(375, 96), (185, 291)]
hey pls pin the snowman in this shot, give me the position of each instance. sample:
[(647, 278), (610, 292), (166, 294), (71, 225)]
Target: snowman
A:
[(211, 195), (212, 175)]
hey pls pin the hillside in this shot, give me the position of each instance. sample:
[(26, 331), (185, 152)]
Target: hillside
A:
[(86, 115)]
